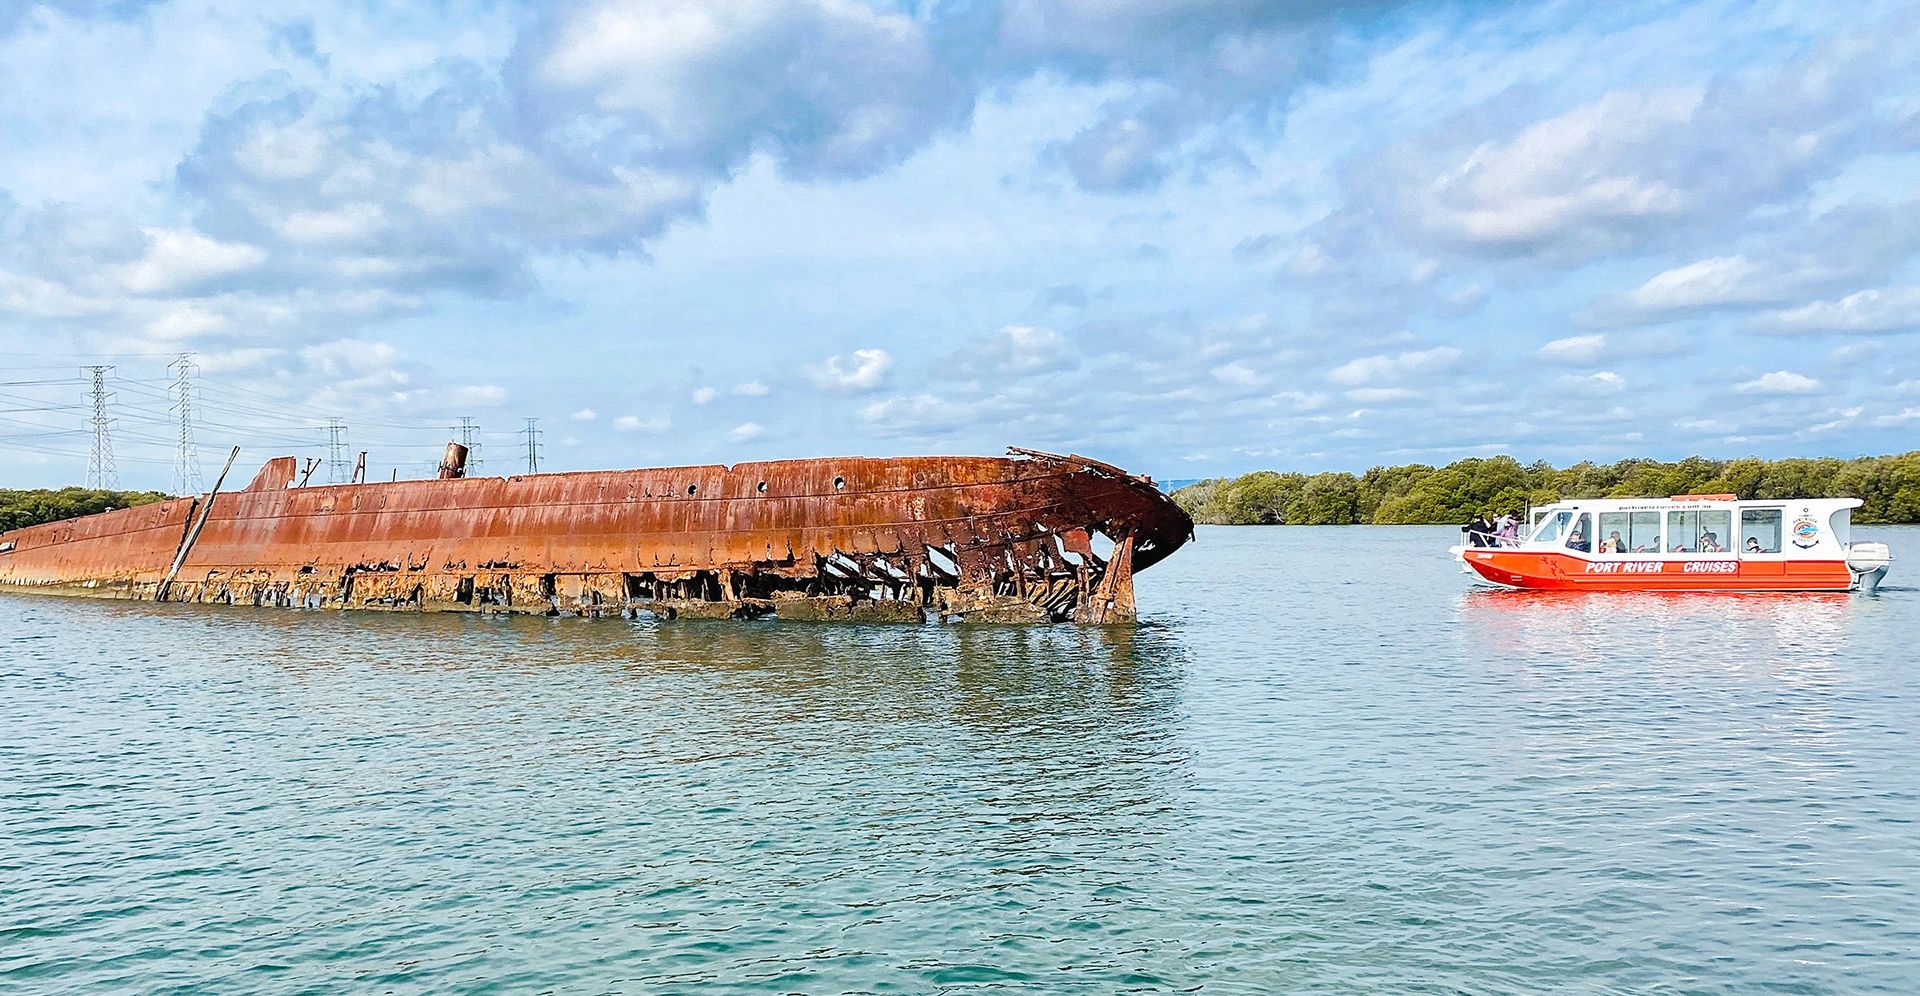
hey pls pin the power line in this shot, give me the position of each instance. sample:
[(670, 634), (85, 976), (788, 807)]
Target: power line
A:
[(337, 469), (470, 438), (101, 471), (186, 467), (533, 434)]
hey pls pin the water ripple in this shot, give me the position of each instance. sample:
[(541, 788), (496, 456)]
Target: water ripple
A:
[(1323, 765)]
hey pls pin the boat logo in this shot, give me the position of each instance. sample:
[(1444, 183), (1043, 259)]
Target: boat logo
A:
[(1806, 531)]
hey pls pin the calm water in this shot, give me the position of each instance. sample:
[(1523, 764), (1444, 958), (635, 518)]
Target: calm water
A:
[(1322, 765)]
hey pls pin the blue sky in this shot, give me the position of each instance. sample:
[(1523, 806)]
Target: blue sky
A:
[(1188, 237)]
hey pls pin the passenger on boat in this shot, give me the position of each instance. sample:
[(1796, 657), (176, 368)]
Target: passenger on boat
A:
[(1709, 543), (1507, 529), (1479, 530), (1753, 545), (1613, 543), (1578, 541)]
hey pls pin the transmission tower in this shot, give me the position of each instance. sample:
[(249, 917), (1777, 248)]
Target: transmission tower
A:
[(533, 445), (338, 469), (470, 438), (101, 472), (186, 463)]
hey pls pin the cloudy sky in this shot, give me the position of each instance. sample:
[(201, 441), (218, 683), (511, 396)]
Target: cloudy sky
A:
[(1188, 236)]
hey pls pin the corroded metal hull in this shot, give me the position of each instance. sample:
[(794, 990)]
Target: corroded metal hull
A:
[(984, 538)]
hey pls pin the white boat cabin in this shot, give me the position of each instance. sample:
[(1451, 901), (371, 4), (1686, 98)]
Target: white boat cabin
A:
[(1696, 526)]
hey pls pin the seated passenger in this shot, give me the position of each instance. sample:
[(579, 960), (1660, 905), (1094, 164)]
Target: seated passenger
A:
[(1612, 543), (1578, 541), (1753, 545), (1710, 544)]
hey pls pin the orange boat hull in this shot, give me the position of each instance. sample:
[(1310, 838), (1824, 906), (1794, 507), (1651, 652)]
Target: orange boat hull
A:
[(1548, 570)]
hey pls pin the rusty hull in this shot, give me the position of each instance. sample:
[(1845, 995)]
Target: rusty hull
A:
[(1011, 539)]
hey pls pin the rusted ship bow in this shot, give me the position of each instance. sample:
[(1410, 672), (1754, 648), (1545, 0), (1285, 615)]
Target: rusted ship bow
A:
[(1030, 537)]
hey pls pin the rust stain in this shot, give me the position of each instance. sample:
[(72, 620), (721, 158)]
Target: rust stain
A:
[(1012, 539)]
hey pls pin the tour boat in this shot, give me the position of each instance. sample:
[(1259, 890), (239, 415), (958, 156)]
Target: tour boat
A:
[(1684, 543)]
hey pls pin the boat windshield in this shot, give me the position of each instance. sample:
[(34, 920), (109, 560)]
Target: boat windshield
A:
[(1550, 528)]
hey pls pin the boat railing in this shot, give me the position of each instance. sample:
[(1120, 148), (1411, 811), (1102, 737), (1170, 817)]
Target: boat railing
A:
[(1473, 537)]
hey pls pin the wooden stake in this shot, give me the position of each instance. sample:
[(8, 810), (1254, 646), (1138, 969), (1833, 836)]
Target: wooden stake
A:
[(193, 535)]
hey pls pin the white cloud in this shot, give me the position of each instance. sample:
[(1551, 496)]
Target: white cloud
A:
[(1841, 419), (343, 357), (1238, 374), (1779, 382), (187, 321), (925, 415), (177, 259), (1014, 350), (1719, 280), (702, 395), (1382, 395), (828, 86), (865, 370), (750, 389), (228, 360), (1559, 174), (746, 431), (1895, 309), (584, 415), (34, 297), (1637, 166), (1574, 349), (1597, 384), (1369, 369), (472, 396), (356, 222), (634, 423), (1031, 348)]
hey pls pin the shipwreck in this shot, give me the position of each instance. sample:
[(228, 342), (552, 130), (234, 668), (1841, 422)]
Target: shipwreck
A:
[(1028, 537)]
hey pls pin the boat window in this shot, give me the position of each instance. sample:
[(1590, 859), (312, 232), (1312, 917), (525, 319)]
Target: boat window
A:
[(1842, 525), (1702, 531), (1760, 530), (1628, 532), (1551, 527), (1613, 528), (1646, 532), (1580, 536)]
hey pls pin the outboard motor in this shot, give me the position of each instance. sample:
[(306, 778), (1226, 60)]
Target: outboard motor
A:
[(1869, 563)]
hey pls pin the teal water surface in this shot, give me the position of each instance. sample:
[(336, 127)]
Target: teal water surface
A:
[(1321, 764)]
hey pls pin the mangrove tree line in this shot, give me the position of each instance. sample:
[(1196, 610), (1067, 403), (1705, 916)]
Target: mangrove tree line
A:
[(30, 508), (1417, 493)]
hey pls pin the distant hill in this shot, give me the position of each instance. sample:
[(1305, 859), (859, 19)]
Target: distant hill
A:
[(1416, 493)]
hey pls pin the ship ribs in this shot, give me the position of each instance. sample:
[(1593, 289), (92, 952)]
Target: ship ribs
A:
[(1031, 537)]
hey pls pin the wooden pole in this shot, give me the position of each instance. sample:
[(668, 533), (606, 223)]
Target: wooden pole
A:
[(193, 535)]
